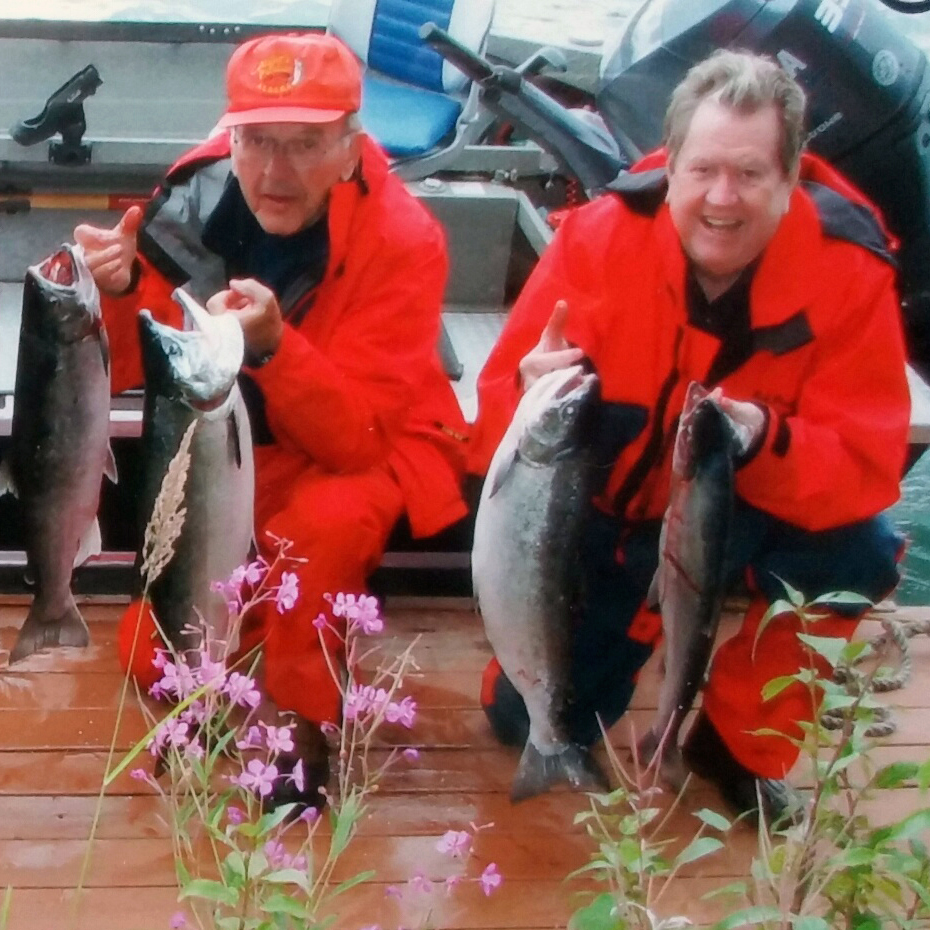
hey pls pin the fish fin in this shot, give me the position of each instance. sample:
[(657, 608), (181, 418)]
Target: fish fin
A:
[(91, 544), (500, 476), (652, 595), (43, 632), (7, 484), (235, 437), (647, 747), (537, 773), (109, 468), (671, 762)]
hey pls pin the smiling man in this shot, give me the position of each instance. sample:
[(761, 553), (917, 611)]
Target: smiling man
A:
[(289, 219), (730, 259)]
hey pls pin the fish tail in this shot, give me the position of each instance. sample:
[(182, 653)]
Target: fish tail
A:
[(538, 772), (42, 631), (653, 749)]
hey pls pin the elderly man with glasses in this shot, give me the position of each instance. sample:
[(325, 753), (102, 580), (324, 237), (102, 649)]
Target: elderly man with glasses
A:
[(289, 219)]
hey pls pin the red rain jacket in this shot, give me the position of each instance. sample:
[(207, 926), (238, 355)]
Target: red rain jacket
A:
[(358, 381), (828, 360)]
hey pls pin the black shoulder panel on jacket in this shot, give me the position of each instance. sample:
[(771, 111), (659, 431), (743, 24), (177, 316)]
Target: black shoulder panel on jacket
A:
[(642, 191), (842, 219)]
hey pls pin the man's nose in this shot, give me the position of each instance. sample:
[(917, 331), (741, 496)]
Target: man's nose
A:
[(723, 189), (277, 162)]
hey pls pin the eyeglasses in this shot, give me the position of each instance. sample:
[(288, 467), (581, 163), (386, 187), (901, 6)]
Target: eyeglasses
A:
[(301, 152)]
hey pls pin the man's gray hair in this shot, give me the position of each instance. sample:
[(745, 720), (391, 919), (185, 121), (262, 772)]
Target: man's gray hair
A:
[(746, 83)]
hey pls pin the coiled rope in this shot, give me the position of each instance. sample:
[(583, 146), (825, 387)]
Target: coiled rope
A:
[(896, 634)]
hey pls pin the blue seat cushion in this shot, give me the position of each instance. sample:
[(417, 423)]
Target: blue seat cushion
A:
[(406, 121)]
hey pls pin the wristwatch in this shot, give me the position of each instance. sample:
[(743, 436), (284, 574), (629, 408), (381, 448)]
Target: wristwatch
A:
[(257, 361)]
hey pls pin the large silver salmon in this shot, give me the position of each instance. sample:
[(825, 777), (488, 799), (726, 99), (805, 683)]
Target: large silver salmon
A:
[(59, 446), (190, 377), (525, 568), (689, 582)]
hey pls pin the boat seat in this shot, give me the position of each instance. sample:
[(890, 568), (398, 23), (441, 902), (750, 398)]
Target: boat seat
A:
[(421, 109)]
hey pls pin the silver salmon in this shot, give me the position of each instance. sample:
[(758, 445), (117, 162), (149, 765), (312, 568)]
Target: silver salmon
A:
[(190, 377), (59, 445), (689, 582), (525, 567)]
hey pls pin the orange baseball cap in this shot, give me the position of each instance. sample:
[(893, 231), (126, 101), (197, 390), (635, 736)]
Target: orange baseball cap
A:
[(310, 78)]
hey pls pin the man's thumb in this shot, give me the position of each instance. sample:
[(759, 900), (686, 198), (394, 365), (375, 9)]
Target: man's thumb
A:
[(130, 221)]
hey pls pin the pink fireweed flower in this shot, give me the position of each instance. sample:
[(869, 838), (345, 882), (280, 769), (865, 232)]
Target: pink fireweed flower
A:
[(194, 751), (309, 815), (264, 776), (455, 843), (178, 921), (297, 776), (251, 574), (328, 728), (419, 882), (411, 753), (139, 775), (275, 853), (451, 882), (241, 690), (257, 777), (287, 593), (252, 739), (278, 739), (356, 703), (361, 612), (235, 816), (210, 674), (229, 593), (195, 713), (404, 712), (170, 732), (321, 623), (490, 878), (177, 681)]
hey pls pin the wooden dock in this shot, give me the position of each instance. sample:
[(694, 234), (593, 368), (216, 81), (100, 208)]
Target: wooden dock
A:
[(57, 715)]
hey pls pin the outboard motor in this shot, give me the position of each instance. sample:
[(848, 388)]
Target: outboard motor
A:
[(868, 102)]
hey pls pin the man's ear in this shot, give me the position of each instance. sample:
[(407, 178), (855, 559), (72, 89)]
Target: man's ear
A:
[(353, 155)]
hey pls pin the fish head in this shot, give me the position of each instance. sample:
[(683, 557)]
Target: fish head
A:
[(65, 287), (559, 414), (197, 365), (704, 429)]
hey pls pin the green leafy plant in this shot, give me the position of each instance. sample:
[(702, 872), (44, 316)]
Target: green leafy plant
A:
[(239, 865), (836, 869), (629, 828)]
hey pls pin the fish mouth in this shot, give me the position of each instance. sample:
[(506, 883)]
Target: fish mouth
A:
[(558, 384), (60, 268), (197, 365), (68, 290)]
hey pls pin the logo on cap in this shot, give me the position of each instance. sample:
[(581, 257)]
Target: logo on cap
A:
[(278, 74)]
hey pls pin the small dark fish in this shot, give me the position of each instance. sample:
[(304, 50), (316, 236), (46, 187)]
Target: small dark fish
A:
[(59, 445), (525, 567), (190, 377), (689, 583)]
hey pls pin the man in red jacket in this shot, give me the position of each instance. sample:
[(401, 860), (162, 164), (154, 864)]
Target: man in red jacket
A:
[(290, 220), (732, 260)]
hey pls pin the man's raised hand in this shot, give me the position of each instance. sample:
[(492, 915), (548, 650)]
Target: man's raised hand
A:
[(110, 253), (552, 351)]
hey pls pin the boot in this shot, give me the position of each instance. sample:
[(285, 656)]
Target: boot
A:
[(708, 756)]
